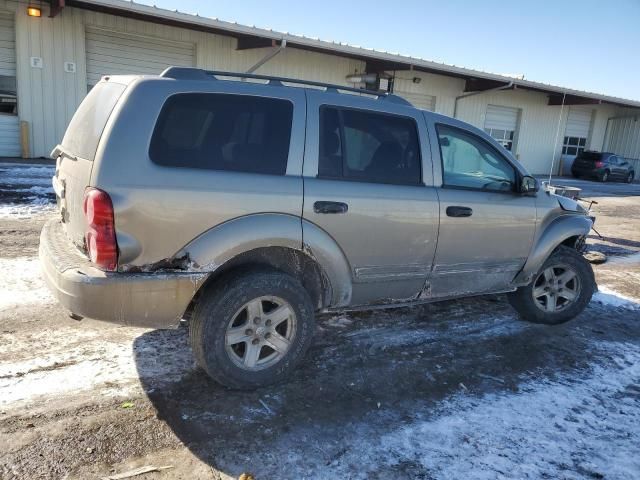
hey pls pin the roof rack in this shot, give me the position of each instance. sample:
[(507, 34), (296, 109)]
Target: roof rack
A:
[(188, 73)]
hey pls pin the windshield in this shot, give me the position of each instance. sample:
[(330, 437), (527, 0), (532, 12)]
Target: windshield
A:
[(84, 132)]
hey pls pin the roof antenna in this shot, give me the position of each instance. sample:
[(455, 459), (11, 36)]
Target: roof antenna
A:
[(555, 145)]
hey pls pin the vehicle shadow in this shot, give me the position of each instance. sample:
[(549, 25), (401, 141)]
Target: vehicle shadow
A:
[(367, 375)]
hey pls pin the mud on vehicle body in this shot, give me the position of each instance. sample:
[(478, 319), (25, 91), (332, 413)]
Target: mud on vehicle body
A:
[(248, 207)]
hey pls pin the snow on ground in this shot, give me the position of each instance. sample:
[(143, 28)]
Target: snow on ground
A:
[(550, 429), (611, 298), (25, 190), (21, 283)]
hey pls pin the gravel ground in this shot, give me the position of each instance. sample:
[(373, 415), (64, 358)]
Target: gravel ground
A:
[(450, 390)]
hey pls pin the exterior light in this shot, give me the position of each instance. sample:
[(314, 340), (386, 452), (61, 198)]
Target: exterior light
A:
[(34, 12)]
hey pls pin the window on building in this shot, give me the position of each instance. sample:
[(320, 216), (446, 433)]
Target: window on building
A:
[(470, 162), (223, 132), (8, 97), (573, 145), (503, 137), (368, 147)]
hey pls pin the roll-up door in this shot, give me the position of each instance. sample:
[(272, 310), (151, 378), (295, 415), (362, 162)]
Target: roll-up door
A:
[(578, 122), (9, 121), (501, 123), (420, 100), (576, 134), (116, 53)]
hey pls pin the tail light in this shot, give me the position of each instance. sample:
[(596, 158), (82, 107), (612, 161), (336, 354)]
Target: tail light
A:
[(100, 235), (599, 164)]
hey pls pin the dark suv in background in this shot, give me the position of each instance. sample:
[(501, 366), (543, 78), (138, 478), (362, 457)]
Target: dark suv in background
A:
[(602, 166)]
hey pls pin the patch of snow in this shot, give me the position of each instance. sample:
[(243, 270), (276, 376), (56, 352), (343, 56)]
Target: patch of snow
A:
[(26, 211), (21, 283), (113, 365), (339, 321), (610, 298), (573, 427)]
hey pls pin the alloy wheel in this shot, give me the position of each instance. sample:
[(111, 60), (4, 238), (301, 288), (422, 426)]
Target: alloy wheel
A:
[(556, 288), (260, 333)]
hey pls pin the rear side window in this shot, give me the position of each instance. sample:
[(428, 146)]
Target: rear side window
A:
[(213, 131), (85, 129), (368, 146)]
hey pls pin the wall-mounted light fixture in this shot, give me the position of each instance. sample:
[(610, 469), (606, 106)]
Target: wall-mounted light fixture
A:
[(417, 80), (34, 12)]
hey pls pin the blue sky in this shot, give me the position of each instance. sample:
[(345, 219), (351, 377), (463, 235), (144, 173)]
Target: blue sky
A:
[(584, 44)]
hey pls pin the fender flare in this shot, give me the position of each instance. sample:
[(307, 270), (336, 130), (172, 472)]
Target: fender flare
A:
[(559, 230), (328, 254), (217, 246)]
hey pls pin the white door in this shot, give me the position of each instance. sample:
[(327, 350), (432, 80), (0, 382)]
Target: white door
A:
[(576, 134), (419, 100), (117, 53), (502, 124), (9, 121)]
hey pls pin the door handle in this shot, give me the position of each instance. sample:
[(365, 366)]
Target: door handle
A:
[(330, 207), (459, 212)]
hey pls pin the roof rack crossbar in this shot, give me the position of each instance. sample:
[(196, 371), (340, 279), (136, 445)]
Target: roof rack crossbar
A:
[(188, 73)]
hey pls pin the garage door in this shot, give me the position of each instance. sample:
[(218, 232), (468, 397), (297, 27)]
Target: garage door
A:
[(578, 122), (575, 136), (420, 100), (117, 53), (9, 122), (501, 123)]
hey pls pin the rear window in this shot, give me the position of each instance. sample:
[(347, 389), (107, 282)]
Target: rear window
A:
[(592, 156), (368, 147), (213, 131), (85, 129)]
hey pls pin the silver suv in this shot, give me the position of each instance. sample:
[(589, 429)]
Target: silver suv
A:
[(245, 204)]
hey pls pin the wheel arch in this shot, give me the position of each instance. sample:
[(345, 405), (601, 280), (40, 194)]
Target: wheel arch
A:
[(568, 230), (273, 241)]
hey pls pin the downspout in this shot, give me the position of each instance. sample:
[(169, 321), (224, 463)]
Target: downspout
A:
[(275, 51), (508, 86)]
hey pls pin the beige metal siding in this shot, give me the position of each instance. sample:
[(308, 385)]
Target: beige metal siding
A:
[(623, 137), (111, 52)]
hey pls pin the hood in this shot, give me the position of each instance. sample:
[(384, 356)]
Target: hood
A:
[(569, 205)]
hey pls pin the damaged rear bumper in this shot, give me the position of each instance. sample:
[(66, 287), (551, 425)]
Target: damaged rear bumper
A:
[(154, 300)]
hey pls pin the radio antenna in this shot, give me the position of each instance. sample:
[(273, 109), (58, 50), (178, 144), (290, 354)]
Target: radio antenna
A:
[(555, 144)]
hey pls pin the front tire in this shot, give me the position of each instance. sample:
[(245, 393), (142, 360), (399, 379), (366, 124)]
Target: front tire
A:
[(252, 329), (630, 177), (560, 291)]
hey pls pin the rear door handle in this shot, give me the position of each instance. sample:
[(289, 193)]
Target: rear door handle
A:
[(459, 212), (330, 207)]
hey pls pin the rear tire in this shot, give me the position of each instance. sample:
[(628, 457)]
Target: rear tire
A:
[(605, 176), (252, 329), (547, 302)]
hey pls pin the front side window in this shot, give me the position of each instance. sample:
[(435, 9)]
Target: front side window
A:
[(470, 162), (213, 131), (368, 146)]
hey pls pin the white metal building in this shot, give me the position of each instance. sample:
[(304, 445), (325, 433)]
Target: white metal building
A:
[(48, 63)]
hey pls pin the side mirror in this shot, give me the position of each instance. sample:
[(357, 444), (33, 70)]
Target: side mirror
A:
[(444, 142), (529, 185)]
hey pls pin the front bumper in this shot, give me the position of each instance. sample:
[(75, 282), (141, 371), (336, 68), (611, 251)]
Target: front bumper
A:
[(155, 300)]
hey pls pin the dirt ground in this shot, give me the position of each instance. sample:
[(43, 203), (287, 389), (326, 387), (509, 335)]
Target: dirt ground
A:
[(450, 390)]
